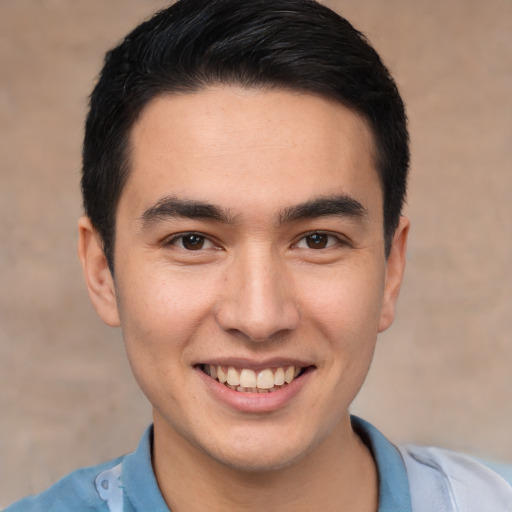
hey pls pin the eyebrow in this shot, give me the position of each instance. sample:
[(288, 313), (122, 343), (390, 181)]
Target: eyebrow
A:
[(337, 206), (171, 206)]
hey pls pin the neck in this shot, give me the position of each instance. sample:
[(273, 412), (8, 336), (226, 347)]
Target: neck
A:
[(338, 474)]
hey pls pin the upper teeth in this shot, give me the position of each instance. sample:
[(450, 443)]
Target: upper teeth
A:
[(265, 379)]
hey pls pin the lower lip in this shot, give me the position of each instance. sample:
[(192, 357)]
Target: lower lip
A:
[(254, 402)]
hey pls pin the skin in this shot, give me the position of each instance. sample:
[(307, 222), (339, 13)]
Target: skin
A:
[(257, 292)]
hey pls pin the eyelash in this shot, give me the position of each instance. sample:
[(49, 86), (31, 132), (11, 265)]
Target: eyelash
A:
[(338, 240), (205, 239)]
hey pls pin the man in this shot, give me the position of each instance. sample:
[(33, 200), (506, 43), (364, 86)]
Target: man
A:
[(244, 170)]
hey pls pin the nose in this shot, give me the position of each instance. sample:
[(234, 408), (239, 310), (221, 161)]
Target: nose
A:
[(258, 299)]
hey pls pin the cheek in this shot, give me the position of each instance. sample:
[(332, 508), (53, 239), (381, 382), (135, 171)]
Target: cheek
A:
[(160, 298), (345, 301), (160, 315)]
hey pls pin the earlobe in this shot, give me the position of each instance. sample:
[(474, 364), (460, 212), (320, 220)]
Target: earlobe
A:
[(98, 277), (394, 273)]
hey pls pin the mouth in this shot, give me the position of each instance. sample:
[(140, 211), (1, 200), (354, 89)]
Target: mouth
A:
[(247, 380)]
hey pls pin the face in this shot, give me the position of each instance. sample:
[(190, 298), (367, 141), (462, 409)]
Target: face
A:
[(249, 249)]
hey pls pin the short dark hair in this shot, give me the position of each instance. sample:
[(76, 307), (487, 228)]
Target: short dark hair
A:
[(296, 45)]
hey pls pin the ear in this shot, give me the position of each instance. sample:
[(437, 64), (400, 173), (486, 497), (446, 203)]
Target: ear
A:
[(98, 277), (394, 273)]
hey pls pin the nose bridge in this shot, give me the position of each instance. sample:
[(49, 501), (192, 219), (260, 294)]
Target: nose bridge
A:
[(259, 299)]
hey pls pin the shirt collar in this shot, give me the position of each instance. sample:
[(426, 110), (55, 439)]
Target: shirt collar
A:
[(139, 480), (394, 494)]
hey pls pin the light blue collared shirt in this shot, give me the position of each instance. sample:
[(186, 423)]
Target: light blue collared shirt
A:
[(128, 484)]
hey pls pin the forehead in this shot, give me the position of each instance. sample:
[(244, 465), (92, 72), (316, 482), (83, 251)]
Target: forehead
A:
[(272, 146)]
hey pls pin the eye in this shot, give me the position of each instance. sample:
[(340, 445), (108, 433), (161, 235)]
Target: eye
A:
[(318, 241), (192, 242)]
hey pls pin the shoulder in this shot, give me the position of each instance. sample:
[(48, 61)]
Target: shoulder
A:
[(454, 481), (109, 487), (77, 491)]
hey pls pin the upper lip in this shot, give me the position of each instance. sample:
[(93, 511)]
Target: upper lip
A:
[(256, 364)]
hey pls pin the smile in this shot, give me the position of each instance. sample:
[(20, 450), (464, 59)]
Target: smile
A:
[(246, 380)]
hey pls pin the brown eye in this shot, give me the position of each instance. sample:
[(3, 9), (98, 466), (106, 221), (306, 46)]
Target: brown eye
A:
[(317, 240), (192, 242)]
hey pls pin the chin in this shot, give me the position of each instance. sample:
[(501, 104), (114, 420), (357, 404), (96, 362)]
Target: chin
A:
[(263, 461), (252, 454)]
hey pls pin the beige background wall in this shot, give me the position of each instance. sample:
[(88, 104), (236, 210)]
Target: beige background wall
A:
[(442, 374)]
